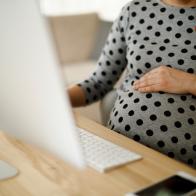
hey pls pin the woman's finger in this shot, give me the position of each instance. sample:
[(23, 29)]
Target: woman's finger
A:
[(152, 88), (146, 82)]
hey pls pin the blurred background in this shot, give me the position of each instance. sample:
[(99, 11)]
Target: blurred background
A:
[(80, 28)]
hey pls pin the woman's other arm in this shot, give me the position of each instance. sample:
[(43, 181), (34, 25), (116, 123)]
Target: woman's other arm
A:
[(110, 65)]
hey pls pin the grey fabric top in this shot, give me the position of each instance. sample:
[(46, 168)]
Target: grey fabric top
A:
[(147, 34)]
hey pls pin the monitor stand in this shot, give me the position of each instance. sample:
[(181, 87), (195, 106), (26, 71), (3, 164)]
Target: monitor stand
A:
[(7, 171)]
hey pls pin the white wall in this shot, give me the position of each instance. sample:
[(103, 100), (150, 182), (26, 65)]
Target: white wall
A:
[(107, 9)]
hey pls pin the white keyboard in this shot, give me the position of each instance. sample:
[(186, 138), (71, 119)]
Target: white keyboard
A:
[(103, 155)]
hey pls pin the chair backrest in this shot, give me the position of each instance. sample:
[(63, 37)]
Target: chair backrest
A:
[(75, 36)]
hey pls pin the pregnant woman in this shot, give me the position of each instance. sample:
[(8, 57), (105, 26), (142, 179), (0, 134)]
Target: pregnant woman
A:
[(155, 41)]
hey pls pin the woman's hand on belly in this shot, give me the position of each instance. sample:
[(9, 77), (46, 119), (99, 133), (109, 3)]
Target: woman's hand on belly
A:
[(167, 79)]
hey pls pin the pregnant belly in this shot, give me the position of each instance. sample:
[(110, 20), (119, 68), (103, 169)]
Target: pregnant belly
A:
[(166, 122)]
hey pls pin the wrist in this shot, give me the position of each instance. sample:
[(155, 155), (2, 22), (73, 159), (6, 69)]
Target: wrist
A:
[(191, 86)]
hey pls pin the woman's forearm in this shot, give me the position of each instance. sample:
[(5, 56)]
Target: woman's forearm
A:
[(77, 96)]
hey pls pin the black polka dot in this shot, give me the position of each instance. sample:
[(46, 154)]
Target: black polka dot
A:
[(160, 22), (179, 23), (133, 14), (193, 57), (178, 124), (103, 73), (169, 29), (187, 136), (130, 94), (148, 95), (139, 71), (155, 4), (171, 16), (134, 41), (120, 119), (180, 61), (127, 127), (149, 132), (131, 113), (131, 27), (174, 139), (88, 89), (138, 57), (190, 70), (192, 107), (149, 27), (139, 122), (163, 9), (189, 30), (157, 103), (170, 100), (142, 46), (181, 110), (144, 8), (167, 113), (136, 137), (190, 161), (182, 11), (183, 98), (171, 54), (163, 128), (125, 106), (161, 144), (116, 113), (136, 100), (121, 101), (191, 17), (114, 72), (166, 41), (152, 15), (118, 62), (138, 32), (194, 147), (120, 50), (111, 53), (158, 59), (171, 154), (162, 48), (136, 3), (157, 34), (183, 151), (190, 121), (122, 30), (184, 50), (187, 42), (144, 108), (178, 35), (148, 65), (146, 38), (153, 117), (149, 52)]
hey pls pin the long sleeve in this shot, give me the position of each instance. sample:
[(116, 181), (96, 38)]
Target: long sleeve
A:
[(111, 63)]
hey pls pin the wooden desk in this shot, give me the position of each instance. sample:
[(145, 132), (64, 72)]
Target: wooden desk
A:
[(43, 175)]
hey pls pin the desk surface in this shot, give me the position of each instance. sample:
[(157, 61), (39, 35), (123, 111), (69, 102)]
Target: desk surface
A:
[(43, 175)]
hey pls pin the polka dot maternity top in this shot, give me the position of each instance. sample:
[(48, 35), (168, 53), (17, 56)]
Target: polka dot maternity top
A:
[(147, 34)]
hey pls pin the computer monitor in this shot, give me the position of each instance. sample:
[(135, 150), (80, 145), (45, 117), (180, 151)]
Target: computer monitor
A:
[(34, 106)]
